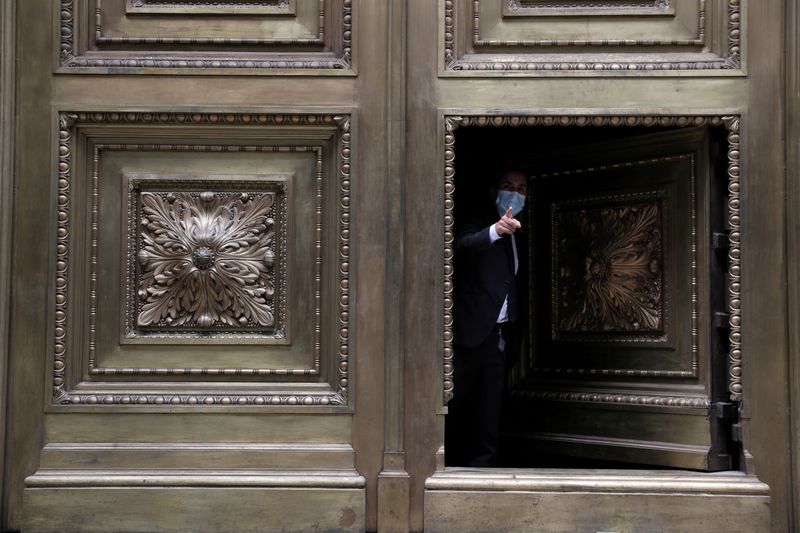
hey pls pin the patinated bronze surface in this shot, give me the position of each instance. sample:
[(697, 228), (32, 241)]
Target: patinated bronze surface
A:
[(226, 274), (206, 260), (608, 268)]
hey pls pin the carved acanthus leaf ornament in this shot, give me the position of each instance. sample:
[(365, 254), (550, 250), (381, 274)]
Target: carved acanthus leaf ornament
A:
[(609, 275), (206, 260)]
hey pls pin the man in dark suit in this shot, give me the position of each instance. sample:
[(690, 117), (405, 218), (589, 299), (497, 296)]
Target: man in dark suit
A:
[(488, 306)]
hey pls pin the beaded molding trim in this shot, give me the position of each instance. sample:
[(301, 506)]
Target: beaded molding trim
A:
[(73, 60), (61, 393), (731, 122), (537, 63)]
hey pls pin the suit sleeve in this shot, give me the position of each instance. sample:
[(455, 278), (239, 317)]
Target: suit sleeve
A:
[(472, 240)]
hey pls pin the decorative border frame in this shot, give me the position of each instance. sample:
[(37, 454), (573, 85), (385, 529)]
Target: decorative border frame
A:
[(211, 62), (693, 402), (477, 40), (732, 123), (68, 123), (573, 4), (572, 8), (100, 38), (695, 347), (570, 66), (280, 186), (203, 7), (656, 337)]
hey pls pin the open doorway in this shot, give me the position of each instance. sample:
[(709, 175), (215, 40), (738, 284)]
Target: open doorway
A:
[(625, 336)]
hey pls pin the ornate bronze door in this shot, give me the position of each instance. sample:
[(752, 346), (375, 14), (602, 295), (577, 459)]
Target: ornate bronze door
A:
[(627, 355), (633, 120), (189, 215), (226, 288)]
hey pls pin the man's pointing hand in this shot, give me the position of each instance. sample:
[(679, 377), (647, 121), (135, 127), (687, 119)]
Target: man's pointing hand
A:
[(507, 224)]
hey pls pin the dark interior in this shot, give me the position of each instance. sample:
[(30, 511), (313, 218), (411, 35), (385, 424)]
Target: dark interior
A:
[(480, 152)]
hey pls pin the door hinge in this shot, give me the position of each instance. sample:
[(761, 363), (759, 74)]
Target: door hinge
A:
[(726, 411), (721, 320), (736, 432), (725, 435), (720, 241)]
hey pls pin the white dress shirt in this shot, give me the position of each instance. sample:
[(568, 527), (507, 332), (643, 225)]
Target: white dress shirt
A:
[(503, 316)]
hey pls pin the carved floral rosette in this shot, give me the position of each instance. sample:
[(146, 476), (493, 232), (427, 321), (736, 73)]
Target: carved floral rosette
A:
[(206, 256), (608, 268)]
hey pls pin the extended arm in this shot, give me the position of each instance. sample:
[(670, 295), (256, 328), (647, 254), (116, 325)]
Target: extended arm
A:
[(474, 239)]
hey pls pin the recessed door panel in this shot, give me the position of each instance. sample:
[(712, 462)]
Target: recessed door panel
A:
[(228, 37), (572, 38), (197, 283), (620, 363)]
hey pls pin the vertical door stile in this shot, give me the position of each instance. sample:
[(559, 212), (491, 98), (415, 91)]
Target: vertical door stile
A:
[(422, 224), (35, 133), (393, 480), (8, 25), (793, 239), (765, 298)]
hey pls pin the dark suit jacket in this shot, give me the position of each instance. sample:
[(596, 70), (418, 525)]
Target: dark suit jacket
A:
[(483, 275)]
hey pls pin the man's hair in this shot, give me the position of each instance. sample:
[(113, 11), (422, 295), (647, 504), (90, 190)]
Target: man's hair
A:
[(504, 171)]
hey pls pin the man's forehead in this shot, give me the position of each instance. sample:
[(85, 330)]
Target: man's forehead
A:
[(513, 176)]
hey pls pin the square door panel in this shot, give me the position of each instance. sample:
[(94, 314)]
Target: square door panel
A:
[(119, 25), (567, 8), (213, 7), (611, 281), (615, 260), (206, 258), (204, 37), (202, 259), (607, 37)]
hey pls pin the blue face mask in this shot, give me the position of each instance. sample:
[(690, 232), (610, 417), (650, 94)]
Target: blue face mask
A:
[(506, 199)]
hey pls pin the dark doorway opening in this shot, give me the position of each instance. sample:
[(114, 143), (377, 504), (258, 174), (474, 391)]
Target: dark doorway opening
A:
[(624, 352)]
